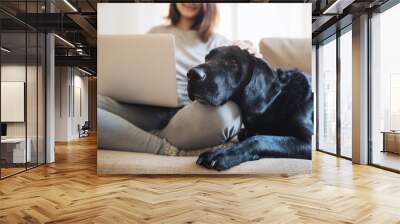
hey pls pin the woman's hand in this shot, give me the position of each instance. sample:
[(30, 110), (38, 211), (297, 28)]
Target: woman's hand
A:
[(248, 45)]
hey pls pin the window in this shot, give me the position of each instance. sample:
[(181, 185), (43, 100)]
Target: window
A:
[(385, 89), (346, 94), (334, 106), (327, 96)]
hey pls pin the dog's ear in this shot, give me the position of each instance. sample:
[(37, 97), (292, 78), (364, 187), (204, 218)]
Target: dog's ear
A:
[(262, 89)]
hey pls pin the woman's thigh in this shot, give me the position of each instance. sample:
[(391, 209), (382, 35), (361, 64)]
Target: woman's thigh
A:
[(143, 116), (197, 125)]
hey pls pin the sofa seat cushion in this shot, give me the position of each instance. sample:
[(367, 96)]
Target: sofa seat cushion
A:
[(119, 162)]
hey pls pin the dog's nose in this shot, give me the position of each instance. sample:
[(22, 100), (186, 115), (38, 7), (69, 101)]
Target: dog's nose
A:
[(197, 74)]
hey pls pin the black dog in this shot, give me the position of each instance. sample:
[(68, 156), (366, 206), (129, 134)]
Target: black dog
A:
[(276, 106)]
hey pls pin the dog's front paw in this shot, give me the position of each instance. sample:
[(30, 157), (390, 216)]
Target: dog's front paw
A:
[(219, 159)]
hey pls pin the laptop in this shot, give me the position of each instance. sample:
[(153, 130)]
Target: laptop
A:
[(137, 69)]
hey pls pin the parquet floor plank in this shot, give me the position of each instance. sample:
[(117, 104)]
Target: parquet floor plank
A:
[(70, 191)]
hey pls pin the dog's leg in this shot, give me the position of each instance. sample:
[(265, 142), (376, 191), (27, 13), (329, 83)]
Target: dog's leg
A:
[(254, 148)]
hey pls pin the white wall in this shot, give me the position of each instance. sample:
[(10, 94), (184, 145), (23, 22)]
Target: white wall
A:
[(62, 81), (79, 117), (13, 101), (238, 21), (69, 81), (12, 73)]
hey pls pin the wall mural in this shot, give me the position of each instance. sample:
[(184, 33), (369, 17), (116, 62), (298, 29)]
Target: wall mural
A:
[(203, 88)]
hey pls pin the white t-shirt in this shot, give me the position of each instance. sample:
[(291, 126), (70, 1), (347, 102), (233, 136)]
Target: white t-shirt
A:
[(190, 51)]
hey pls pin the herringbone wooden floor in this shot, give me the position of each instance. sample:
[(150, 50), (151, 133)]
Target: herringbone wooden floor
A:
[(69, 191)]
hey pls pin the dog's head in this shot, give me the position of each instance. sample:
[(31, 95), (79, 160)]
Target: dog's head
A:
[(230, 72)]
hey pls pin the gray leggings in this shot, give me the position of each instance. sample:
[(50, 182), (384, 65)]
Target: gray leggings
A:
[(161, 130)]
